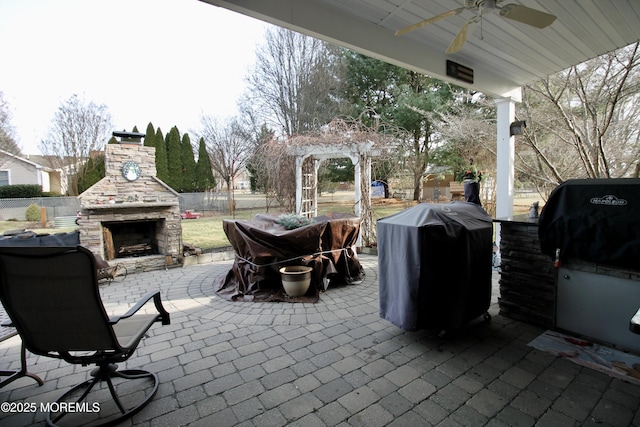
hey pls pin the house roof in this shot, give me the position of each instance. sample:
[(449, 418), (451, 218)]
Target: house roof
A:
[(35, 161)]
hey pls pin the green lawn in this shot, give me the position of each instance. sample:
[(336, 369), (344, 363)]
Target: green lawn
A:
[(207, 232)]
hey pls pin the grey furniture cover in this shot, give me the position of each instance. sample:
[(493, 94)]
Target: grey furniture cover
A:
[(434, 265)]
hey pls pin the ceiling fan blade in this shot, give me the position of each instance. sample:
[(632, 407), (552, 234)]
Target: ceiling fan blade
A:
[(526, 15), (461, 37), (436, 18)]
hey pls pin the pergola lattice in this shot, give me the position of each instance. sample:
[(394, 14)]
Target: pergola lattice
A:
[(339, 139)]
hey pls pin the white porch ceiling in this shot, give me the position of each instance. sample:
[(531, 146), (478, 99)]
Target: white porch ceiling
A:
[(504, 54)]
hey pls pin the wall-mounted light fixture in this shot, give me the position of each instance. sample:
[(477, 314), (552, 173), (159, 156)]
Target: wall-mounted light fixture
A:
[(516, 128)]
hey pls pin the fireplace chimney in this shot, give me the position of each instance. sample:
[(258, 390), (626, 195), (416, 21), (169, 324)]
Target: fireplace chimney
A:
[(129, 137), (131, 215)]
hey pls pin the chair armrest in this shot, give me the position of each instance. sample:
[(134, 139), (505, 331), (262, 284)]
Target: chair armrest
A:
[(164, 315)]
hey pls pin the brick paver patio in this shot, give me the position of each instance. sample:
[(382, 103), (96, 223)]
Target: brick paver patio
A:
[(333, 363)]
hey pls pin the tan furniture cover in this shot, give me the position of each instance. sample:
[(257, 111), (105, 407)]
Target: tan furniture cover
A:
[(263, 246)]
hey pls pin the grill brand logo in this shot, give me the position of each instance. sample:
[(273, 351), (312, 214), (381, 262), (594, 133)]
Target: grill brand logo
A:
[(608, 200)]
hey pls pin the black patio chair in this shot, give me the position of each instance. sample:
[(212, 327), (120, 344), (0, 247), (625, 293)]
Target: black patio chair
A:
[(7, 332), (52, 297)]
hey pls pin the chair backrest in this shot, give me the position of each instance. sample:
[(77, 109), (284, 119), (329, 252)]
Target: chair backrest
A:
[(51, 295)]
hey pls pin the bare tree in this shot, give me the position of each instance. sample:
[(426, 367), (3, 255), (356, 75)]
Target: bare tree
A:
[(76, 130), (467, 130), (7, 132), (294, 83), (277, 172), (585, 121), (229, 146)]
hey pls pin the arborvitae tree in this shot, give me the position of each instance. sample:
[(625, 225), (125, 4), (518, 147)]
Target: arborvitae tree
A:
[(112, 140), (94, 171), (204, 174), (188, 165), (174, 159), (150, 136), (162, 170)]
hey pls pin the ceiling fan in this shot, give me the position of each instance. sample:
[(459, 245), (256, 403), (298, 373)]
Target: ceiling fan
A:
[(515, 12)]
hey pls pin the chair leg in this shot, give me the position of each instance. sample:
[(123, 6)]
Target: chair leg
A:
[(105, 373), (89, 384), (114, 395), (14, 375)]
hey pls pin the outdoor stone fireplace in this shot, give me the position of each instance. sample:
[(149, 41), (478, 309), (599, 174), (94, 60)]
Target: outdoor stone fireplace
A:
[(131, 217)]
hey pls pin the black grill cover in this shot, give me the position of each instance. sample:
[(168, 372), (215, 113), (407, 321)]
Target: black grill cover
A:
[(434, 265), (595, 220)]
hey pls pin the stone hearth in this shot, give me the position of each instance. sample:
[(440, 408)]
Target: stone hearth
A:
[(132, 222)]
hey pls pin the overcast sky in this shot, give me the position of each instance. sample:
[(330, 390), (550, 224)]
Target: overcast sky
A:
[(162, 61)]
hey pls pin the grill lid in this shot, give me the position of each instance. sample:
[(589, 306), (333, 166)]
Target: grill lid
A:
[(595, 220)]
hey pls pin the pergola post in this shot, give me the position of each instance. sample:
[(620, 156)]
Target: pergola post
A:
[(360, 156), (357, 191), (316, 166), (299, 161), (364, 201)]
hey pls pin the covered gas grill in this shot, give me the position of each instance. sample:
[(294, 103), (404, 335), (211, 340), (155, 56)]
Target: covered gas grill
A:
[(434, 266), (592, 227)]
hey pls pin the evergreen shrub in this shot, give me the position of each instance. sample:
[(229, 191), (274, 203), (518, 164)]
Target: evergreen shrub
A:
[(20, 191), (33, 212)]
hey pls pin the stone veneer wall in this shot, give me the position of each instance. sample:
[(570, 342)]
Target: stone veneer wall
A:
[(527, 277), (114, 199), (147, 188)]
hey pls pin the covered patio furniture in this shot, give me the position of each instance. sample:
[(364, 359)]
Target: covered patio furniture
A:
[(263, 246), (52, 298)]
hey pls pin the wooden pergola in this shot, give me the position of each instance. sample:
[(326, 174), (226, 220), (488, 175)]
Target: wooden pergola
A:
[(339, 139)]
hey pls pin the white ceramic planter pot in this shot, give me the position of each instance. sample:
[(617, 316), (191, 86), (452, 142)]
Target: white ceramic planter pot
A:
[(296, 279)]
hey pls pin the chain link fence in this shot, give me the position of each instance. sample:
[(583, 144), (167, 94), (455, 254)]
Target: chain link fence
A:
[(15, 209), (58, 207), (205, 202)]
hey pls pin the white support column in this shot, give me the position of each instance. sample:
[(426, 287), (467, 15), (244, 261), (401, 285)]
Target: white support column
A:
[(505, 158), (505, 161)]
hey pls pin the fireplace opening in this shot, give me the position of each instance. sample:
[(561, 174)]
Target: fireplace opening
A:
[(130, 239)]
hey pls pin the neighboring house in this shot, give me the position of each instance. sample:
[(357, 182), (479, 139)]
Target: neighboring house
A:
[(19, 170), (439, 184)]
